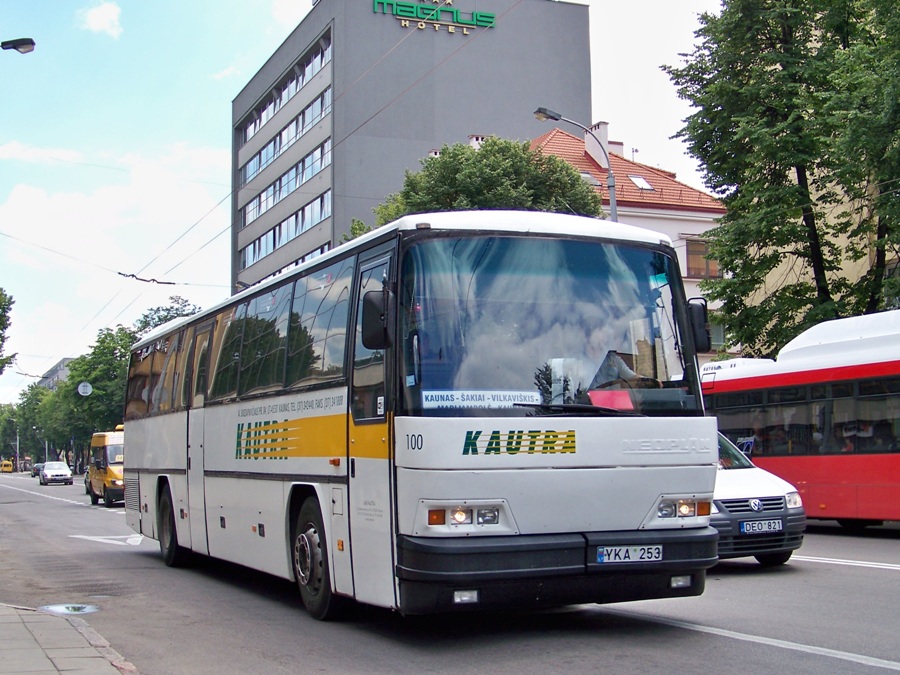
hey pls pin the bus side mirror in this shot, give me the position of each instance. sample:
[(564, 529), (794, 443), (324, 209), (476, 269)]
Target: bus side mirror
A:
[(699, 317), (376, 311)]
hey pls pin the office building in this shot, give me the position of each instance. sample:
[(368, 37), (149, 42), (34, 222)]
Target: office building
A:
[(361, 92)]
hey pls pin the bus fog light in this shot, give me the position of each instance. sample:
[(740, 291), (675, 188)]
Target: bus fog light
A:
[(465, 597), (683, 581), (489, 516), (461, 516), (666, 510)]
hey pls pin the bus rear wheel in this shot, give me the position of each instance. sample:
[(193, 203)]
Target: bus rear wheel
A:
[(309, 553), (94, 498), (173, 554)]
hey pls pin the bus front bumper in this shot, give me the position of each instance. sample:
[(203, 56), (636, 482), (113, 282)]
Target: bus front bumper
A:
[(532, 571)]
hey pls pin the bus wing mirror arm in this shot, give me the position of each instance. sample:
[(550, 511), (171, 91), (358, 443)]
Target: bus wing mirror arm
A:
[(699, 317), (376, 319)]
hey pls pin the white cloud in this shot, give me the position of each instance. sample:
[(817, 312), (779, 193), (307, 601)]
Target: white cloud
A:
[(102, 18), (230, 71), (69, 246), (26, 153)]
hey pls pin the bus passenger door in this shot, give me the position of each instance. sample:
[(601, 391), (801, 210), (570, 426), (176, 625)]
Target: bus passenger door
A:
[(196, 498), (369, 455)]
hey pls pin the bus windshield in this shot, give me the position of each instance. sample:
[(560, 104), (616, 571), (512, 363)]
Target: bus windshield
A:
[(532, 325)]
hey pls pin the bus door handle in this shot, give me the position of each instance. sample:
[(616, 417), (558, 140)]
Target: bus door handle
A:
[(353, 467)]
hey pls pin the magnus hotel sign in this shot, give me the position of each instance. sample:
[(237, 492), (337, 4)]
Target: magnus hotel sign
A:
[(438, 15)]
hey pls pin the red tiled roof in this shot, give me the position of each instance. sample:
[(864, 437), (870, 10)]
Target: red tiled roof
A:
[(667, 192)]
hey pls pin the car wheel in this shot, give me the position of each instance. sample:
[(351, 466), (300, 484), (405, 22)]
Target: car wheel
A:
[(773, 559)]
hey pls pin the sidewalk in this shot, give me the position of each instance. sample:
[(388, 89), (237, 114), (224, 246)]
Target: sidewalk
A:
[(37, 642)]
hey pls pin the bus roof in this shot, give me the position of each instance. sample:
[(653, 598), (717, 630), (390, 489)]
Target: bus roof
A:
[(866, 340), (518, 222)]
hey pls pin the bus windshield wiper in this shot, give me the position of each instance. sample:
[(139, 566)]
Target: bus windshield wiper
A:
[(585, 409)]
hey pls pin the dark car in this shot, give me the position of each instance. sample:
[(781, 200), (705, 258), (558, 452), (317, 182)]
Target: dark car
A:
[(36, 469)]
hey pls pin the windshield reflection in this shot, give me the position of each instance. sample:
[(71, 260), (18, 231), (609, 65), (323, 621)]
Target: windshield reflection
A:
[(488, 323)]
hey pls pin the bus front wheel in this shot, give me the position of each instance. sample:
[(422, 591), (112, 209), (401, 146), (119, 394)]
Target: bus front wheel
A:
[(310, 557), (173, 554)]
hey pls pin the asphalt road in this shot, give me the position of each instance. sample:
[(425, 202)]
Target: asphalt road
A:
[(831, 609)]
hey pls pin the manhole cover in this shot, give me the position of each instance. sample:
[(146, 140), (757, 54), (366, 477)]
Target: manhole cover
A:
[(69, 609)]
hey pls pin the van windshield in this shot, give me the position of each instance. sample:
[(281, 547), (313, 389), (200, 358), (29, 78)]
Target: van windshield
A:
[(115, 454), (730, 457)]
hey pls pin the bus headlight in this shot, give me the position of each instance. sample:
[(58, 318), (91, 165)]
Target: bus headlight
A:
[(466, 517), (793, 500)]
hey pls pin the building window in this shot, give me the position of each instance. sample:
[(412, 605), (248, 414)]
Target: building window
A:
[(296, 176), (699, 265), (295, 129), (716, 333), (290, 228), (303, 72)]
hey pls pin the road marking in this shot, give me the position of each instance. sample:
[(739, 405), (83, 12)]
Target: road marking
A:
[(852, 563), (43, 494), (119, 540), (771, 642)]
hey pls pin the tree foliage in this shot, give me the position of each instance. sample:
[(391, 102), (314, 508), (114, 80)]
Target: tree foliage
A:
[(6, 303), (157, 316), (795, 125), (501, 174)]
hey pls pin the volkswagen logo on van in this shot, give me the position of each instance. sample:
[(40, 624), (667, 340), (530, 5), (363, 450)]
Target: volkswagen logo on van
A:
[(756, 505)]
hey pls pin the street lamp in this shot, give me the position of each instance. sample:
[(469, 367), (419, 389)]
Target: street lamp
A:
[(544, 114), (21, 45)]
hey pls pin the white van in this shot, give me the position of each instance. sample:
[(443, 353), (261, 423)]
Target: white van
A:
[(756, 513)]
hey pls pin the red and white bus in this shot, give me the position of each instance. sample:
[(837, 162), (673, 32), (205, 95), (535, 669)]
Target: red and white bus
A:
[(825, 415)]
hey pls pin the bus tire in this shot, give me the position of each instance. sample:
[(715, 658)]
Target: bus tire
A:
[(773, 559), (94, 498), (108, 501), (309, 554), (173, 554), (857, 525)]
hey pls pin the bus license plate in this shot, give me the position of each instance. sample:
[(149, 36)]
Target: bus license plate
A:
[(628, 554), (761, 526)]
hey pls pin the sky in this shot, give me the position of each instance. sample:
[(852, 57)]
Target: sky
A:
[(115, 150)]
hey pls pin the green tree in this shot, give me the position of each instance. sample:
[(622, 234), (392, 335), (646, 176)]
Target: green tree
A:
[(68, 414), (32, 435), (357, 228), (502, 174), (7, 430), (157, 316), (761, 80), (6, 303)]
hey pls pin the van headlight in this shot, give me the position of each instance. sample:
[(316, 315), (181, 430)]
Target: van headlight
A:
[(793, 500)]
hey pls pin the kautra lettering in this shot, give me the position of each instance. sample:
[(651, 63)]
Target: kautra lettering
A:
[(540, 442)]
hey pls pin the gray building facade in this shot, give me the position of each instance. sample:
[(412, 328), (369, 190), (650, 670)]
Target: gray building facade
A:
[(363, 90)]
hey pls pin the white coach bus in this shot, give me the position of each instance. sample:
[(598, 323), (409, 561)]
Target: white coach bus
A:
[(455, 411)]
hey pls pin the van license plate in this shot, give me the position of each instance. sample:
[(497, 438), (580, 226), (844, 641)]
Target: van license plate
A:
[(761, 526), (629, 554)]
